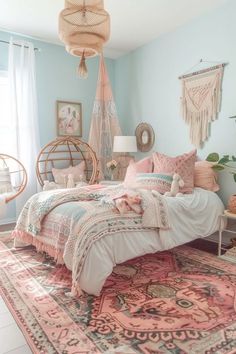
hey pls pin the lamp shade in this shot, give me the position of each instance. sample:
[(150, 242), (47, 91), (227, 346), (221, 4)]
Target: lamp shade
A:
[(124, 143)]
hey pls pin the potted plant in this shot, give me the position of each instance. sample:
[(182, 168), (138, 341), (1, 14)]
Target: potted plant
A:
[(221, 163), (111, 165)]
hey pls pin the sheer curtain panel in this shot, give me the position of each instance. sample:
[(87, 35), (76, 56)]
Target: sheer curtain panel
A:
[(24, 111)]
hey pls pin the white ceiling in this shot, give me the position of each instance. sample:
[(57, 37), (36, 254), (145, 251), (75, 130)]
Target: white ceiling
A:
[(133, 22)]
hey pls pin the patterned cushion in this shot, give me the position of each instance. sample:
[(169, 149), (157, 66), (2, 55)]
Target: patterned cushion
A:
[(183, 165), (205, 177), (157, 181), (142, 166)]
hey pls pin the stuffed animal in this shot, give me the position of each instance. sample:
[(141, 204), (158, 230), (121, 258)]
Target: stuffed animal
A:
[(70, 181), (47, 186), (174, 189)]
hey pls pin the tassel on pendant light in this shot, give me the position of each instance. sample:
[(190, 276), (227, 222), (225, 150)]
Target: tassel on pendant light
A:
[(82, 68)]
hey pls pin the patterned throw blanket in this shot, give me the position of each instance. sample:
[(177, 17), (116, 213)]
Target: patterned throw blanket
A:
[(100, 219)]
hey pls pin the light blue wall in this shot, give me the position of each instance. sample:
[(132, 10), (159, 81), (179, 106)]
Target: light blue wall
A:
[(57, 80), (146, 84), (148, 89)]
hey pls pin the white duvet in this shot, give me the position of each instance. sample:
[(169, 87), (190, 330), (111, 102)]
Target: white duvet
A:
[(191, 216)]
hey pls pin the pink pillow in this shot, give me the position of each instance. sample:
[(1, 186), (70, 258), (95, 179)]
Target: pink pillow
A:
[(142, 166), (182, 164), (205, 177), (77, 171)]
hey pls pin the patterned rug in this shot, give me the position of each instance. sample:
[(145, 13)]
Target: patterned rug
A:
[(181, 301)]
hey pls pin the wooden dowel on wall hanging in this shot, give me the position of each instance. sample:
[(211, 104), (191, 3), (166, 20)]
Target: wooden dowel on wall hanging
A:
[(202, 71)]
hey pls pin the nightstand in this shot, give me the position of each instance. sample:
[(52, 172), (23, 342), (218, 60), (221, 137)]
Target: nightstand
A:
[(110, 182), (224, 227)]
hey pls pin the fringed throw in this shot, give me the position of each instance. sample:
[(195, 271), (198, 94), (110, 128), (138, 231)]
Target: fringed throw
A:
[(201, 97)]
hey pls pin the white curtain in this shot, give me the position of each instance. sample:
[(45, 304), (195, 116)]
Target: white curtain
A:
[(24, 112)]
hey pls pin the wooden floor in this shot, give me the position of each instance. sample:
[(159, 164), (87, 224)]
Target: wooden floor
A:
[(12, 340), (7, 227)]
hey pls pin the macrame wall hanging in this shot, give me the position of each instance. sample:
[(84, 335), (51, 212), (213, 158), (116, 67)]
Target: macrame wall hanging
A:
[(84, 26), (200, 102)]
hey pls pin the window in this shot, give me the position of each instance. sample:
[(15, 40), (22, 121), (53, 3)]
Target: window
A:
[(7, 128)]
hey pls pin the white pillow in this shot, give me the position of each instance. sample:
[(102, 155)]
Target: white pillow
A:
[(60, 175)]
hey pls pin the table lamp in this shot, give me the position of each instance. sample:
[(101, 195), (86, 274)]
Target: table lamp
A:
[(124, 144)]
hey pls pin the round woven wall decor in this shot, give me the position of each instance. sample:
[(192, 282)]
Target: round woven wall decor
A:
[(64, 152), (145, 137)]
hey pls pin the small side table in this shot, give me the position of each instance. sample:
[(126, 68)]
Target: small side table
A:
[(223, 228)]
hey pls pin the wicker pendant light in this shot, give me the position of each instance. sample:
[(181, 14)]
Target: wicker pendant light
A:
[(94, 3), (84, 26)]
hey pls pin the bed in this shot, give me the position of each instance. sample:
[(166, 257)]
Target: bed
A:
[(60, 232)]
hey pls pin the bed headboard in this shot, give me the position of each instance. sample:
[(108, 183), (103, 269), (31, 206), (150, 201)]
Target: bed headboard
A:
[(64, 152)]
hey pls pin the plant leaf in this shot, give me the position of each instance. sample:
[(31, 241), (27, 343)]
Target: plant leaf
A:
[(218, 167), (213, 157), (233, 158), (233, 117), (234, 177), (224, 159)]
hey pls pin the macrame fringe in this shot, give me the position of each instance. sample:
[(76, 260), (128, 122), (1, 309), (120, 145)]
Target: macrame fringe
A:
[(40, 247), (199, 119), (23, 236)]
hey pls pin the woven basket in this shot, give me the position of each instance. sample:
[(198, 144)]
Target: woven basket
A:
[(232, 204)]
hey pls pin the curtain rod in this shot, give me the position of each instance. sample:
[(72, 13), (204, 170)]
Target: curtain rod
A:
[(18, 45), (203, 71)]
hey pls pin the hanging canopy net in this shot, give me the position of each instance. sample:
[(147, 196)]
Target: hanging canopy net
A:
[(104, 124)]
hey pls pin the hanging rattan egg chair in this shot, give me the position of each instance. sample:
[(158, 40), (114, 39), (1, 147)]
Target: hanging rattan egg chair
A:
[(13, 177), (64, 152)]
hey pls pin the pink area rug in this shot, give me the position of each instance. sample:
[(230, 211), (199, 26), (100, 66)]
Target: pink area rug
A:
[(181, 301)]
